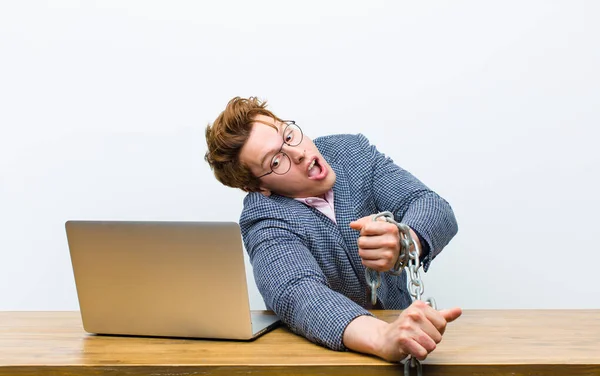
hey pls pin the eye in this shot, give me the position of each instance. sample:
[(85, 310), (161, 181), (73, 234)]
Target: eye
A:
[(289, 136), (276, 161)]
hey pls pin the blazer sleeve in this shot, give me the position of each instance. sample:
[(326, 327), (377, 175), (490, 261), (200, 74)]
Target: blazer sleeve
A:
[(289, 278), (412, 203)]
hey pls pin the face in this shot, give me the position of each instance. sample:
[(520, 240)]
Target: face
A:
[(309, 175)]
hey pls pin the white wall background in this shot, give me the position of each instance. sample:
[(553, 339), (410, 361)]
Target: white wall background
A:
[(494, 105)]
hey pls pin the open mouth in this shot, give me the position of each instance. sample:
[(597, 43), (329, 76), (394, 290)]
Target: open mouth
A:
[(315, 170)]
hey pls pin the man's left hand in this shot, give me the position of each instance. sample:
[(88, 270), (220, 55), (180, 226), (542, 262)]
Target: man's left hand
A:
[(379, 242)]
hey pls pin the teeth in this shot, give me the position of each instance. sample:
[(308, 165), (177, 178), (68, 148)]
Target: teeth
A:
[(312, 164)]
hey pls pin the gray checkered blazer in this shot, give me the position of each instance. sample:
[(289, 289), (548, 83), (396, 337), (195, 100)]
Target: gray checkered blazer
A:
[(307, 268)]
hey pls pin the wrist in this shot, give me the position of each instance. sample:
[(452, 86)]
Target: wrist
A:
[(417, 240), (365, 334), (405, 255)]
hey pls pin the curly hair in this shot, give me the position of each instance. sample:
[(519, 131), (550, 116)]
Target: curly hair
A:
[(226, 137)]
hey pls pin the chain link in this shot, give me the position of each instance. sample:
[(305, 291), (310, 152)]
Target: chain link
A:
[(412, 362), (407, 258)]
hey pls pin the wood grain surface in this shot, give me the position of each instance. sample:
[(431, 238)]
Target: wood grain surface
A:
[(491, 342)]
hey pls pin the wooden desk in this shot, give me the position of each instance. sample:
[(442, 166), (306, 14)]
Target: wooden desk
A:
[(509, 342)]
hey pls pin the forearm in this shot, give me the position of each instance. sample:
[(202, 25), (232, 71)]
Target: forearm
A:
[(293, 284), (432, 217), (363, 335), (296, 289), (314, 311), (412, 203)]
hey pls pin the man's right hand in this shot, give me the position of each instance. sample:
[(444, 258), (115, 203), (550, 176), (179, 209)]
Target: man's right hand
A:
[(416, 332)]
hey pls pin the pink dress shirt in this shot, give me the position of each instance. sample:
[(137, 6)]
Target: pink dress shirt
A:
[(325, 206)]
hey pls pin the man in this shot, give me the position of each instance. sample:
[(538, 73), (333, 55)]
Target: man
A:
[(307, 227)]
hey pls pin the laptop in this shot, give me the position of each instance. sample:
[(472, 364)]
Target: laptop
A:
[(166, 279)]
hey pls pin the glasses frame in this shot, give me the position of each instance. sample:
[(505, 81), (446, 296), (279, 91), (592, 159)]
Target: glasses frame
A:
[(288, 123)]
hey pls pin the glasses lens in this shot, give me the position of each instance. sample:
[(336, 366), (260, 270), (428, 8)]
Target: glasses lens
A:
[(292, 135), (280, 164)]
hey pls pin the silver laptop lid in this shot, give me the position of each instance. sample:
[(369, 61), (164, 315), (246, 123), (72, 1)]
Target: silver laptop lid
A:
[(182, 279)]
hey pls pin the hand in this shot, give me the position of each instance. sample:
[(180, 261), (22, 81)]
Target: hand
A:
[(379, 243), (416, 332)]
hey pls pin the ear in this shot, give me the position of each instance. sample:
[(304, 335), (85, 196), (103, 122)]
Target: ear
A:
[(266, 192)]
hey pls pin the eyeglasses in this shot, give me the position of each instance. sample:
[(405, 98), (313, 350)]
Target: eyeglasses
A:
[(281, 162)]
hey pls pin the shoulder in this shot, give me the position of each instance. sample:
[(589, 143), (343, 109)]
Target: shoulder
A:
[(332, 147), (257, 205), (266, 219), (274, 212)]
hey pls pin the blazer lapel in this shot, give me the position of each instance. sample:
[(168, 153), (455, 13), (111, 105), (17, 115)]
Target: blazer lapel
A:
[(344, 214)]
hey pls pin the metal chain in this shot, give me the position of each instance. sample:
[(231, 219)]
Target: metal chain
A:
[(407, 258)]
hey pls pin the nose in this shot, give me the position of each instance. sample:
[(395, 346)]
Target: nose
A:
[(296, 154)]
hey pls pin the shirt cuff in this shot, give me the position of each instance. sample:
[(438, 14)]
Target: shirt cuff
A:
[(424, 246)]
